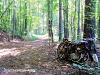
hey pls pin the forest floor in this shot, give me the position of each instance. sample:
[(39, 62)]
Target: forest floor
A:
[(38, 56)]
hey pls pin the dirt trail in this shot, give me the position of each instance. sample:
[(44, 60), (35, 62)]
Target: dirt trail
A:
[(37, 55), (16, 47)]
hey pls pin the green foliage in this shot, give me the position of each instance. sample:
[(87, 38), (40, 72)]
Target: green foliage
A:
[(25, 16), (21, 16)]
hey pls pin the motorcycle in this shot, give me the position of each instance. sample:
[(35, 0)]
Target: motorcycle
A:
[(80, 52)]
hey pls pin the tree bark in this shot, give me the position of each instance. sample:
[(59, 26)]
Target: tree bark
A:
[(25, 20), (89, 22), (50, 32), (14, 21), (66, 32), (60, 20), (74, 31), (78, 29)]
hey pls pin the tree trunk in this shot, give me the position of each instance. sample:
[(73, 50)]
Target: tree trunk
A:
[(98, 29), (20, 19), (82, 17), (89, 24), (25, 20), (50, 32), (74, 36), (14, 21), (78, 29), (66, 32), (60, 20)]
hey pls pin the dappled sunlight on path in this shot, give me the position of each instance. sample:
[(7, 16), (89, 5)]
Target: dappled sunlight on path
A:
[(12, 51), (16, 47)]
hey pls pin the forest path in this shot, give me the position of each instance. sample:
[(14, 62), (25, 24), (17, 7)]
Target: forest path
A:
[(15, 47), (32, 58), (37, 56)]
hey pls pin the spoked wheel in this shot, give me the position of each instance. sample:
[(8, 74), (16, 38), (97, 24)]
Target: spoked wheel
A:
[(90, 61), (87, 59)]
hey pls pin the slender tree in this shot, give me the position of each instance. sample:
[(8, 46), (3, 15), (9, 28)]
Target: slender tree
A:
[(82, 17), (74, 36), (66, 32), (78, 29), (25, 20), (14, 21), (50, 4), (60, 20)]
